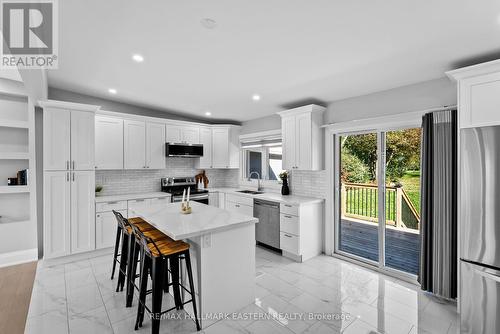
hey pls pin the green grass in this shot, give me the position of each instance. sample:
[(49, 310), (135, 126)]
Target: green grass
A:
[(411, 185)]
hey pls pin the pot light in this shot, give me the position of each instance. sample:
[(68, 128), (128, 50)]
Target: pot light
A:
[(208, 23), (256, 97), (138, 58), (112, 91), (208, 113)]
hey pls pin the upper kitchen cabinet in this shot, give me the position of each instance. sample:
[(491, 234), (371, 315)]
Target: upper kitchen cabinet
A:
[(183, 134), (302, 138), (478, 94), (144, 145), (206, 140), (108, 142), (155, 145), (134, 150), (68, 135), (225, 146)]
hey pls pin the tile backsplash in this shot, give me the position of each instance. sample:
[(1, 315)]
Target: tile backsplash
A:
[(308, 183), (128, 181)]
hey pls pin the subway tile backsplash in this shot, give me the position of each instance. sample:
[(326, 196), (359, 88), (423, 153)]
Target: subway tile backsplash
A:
[(116, 182), (308, 183)]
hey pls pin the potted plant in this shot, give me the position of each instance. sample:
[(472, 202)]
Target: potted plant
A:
[(98, 190), (285, 190)]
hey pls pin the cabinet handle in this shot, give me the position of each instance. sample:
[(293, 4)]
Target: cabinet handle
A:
[(237, 205), (96, 167), (67, 177), (67, 164), (112, 203), (288, 235), (73, 164), (288, 217), (288, 205), (73, 177)]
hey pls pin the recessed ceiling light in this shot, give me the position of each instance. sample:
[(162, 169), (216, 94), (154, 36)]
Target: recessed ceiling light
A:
[(112, 91), (256, 97), (208, 23), (208, 113), (138, 58)]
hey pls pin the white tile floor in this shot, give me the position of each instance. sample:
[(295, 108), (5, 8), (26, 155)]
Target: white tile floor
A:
[(322, 295)]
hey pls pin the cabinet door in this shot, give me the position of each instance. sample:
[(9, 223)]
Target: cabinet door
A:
[(108, 142), (174, 134), (288, 128), (105, 229), (191, 134), (206, 140), (220, 148), (82, 140), (56, 139), (134, 134), (82, 211), (303, 138), (480, 101), (155, 145), (213, 199), (56, 215)]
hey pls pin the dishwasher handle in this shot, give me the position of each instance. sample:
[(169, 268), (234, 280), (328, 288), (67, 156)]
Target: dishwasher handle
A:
[(266, 204)]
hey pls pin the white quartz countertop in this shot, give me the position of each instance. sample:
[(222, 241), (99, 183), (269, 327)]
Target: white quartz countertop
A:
[(270, 196), (204, 219), (127, 197)]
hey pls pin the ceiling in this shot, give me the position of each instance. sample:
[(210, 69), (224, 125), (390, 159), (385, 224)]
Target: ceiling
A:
[(287, 51)]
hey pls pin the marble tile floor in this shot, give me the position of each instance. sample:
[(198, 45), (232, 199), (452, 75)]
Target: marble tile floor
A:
[(322, 295)]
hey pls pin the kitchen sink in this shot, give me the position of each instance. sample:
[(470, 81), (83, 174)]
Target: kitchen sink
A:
[(252, 192)]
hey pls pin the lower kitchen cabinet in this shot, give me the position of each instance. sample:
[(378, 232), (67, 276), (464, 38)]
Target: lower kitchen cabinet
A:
[(239, 204), (105, 228)]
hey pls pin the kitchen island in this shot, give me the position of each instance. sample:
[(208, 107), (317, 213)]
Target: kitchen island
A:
[(222, 251)]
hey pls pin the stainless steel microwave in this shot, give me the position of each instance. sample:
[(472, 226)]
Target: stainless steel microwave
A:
[(184, 150)]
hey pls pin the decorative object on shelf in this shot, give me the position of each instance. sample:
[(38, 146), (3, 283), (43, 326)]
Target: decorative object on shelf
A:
[(12, 181), (22, 177), (202, 177), (98, 190), (185, 208), (285, 190)]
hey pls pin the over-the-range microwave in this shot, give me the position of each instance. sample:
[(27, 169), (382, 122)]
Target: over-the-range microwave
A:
[(185, 150)]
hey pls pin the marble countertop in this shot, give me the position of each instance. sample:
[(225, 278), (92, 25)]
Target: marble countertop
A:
[(203, 220), (127, 197), (271, 196)]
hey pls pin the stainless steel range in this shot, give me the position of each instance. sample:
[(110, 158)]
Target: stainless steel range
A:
[(176, 185)]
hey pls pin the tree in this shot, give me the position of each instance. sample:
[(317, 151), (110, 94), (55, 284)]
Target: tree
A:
[(352, 169), (402, 151)]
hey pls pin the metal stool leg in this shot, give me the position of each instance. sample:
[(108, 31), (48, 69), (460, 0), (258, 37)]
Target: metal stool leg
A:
[(158, 274), (191, 288), (131, 270), (117, 245), (123, 263)]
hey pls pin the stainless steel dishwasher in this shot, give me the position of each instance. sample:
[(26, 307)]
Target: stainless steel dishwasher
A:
[(267, 230)]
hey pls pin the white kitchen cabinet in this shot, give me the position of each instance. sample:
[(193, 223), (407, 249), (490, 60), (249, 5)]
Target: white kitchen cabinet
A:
[(82, 140), (105, 228), (183, 134), (108, 142), (478, 94), (82, 211), (213, 199), (302, 138), (206, 140), (225, 146), (68, 138), (56, 138), (57, 214), (155, 145), (134, 146), (240, 204)]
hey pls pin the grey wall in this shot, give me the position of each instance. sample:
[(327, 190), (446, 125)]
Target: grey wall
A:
[(420, 96), (272, 122), (109, 105)]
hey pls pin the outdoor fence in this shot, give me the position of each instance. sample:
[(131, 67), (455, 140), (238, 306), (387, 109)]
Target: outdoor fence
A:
[(360, 201)]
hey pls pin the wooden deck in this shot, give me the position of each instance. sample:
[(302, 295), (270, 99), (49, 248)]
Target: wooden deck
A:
[(402, 248)]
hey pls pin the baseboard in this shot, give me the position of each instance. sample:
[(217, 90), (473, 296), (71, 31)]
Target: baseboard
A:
[(18, 257), (76, 257)]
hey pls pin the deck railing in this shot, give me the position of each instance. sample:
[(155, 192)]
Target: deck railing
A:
[(360, 201)]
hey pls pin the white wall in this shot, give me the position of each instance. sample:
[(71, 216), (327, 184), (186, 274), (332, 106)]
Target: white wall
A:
[(420, 96)]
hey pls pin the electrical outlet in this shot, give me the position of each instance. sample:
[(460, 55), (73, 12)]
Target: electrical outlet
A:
[(207, 241)]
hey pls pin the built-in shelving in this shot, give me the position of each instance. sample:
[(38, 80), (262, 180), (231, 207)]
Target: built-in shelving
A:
[(14, 189), (7, 123), (14, 155)]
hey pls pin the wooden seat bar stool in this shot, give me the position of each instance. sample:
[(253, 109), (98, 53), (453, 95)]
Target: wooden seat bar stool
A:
[(154, 255)]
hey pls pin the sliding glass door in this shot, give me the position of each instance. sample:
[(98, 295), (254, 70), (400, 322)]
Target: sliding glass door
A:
[(378, 192)]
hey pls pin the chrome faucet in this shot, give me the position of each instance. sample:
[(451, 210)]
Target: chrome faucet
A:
[(258, 179)]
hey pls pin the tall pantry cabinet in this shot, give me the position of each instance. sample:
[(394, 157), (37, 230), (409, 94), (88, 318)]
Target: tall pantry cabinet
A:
[(69, 178)]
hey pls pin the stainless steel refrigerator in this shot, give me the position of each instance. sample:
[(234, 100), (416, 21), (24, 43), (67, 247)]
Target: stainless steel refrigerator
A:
[(480, 230)]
